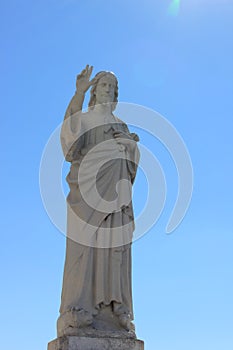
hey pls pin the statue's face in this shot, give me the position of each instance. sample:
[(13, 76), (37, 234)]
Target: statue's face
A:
[(105, 89)]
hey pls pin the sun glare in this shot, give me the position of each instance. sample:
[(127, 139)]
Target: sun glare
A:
[(174, 7)]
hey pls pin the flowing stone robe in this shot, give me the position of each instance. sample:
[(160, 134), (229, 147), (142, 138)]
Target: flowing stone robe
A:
[(100, 220)]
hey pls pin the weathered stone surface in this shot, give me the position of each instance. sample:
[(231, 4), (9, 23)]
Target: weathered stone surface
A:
[(85, 343)]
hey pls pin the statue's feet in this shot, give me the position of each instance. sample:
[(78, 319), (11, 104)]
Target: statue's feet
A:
[(73, 319), (124, 317), (126, 322)]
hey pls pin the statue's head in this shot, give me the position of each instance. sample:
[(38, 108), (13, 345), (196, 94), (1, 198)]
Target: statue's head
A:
[(104, 90)]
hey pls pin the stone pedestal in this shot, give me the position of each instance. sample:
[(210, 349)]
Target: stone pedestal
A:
[(86, 343)]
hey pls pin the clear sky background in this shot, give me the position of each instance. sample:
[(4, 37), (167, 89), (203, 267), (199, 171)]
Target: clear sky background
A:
[(175, 57)]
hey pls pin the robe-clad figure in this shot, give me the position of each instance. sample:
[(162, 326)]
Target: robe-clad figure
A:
[(96, 292)]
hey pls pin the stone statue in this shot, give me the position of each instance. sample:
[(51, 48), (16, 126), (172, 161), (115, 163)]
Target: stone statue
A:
[(96, 293)]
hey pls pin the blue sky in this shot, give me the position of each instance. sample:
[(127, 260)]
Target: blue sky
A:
[(178, 63)]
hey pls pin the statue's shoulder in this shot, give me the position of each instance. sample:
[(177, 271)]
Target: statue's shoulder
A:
[(119, 120), (75, 115), (81, 116)]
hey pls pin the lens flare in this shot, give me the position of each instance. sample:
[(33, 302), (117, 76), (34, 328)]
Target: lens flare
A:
[(174, 7)]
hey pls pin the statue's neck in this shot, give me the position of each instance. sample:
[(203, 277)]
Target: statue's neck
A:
[(104, 109)]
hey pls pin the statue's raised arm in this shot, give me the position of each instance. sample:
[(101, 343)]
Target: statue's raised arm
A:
[(71, 125), (83, 83)]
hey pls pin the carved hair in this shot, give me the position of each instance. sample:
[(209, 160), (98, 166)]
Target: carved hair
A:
[(98, 76)]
